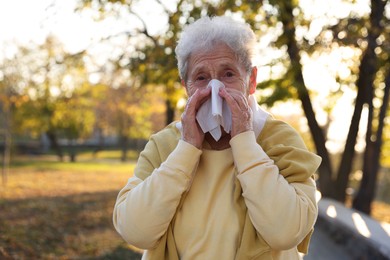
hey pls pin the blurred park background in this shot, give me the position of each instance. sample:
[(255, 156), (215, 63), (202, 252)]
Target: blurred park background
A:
[(84, 83)]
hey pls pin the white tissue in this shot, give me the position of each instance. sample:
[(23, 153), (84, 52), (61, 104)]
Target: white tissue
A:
[(215, 112)]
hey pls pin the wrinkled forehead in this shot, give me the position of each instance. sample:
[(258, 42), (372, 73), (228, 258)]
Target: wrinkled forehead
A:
[(211, 47), (219, 55)]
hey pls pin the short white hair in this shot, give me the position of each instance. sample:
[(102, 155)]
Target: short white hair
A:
[(206, 32)]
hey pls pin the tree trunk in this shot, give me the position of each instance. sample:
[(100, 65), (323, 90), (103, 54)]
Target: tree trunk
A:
[(5, 164), (72, 151), (6, 156), (367, 70), (124, 142), (367, 189), (5, 130), (349, 149), (325, 169), (170, 112), (100, 144), (54, 144)]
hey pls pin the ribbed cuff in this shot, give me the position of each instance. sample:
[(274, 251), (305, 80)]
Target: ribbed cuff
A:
[(184, 158), (246, 151)]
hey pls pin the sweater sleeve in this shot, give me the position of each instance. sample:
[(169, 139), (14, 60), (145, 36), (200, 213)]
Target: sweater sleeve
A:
[(280, 201), (144, 208)]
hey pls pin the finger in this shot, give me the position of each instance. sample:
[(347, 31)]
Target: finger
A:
[(197, 99), (239, 97), (230, 99), (241, 113)]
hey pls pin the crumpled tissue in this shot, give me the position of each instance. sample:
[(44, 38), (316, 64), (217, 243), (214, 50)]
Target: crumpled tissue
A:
[(215, 112)]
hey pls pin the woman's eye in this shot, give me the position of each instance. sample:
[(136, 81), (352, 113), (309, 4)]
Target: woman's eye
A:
[(201, 78), (200, 81), (229, 74)]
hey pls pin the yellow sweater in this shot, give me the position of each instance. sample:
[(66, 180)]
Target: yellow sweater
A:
[(255, 200)]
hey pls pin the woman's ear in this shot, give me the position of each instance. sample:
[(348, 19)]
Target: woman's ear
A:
[(183, 83), (253, 81)]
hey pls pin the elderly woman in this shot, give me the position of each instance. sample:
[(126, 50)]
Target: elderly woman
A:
[(243, 192)]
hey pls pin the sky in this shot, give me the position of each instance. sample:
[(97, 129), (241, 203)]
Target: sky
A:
[(26, 21)]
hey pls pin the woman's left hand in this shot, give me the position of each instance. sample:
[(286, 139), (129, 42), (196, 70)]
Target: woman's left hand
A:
[(241, 112)]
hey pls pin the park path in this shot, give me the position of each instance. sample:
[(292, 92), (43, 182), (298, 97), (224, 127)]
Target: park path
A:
[(322, 247), (344, 233)]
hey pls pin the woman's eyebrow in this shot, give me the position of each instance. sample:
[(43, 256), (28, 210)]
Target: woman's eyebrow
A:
[(197, 70), (229, 66)]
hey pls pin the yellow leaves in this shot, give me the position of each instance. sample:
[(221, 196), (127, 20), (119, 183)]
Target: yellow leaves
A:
[(130, 110), (75, 117), (21, 100), (142, 68)]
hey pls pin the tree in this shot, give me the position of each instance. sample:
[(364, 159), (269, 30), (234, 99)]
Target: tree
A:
[(74, 117), (295, 70), (48, 78), (371, 159), (336, 187), (128, 111), (367, 71)]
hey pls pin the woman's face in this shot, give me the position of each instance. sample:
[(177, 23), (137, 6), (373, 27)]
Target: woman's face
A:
[(219, 63)]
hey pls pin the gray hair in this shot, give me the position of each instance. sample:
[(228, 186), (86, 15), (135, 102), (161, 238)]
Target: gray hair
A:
[(206, 32)]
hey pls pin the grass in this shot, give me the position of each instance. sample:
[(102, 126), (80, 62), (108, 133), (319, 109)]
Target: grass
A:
[(54, 210)]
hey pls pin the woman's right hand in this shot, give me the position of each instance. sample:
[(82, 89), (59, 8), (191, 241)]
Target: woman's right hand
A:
[(192, 133)]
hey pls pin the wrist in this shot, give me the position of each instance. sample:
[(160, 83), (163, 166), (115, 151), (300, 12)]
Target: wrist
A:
[(196, 144)]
